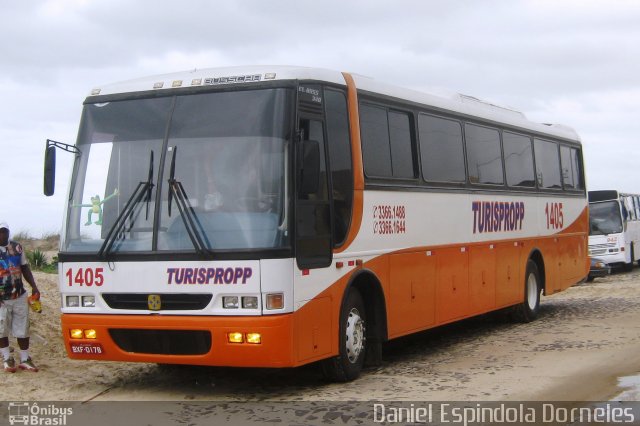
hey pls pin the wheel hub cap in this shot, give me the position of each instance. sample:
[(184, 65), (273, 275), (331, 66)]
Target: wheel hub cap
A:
[(355, 335), (532, 289)]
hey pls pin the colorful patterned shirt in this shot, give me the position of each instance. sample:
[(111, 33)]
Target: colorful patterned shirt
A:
[(12, 257)]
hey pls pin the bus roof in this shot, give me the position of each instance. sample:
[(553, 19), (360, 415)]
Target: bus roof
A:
[(454, 102)]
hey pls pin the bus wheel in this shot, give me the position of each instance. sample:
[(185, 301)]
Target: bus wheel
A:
[(348, 364), (527, 311), (628, 267)]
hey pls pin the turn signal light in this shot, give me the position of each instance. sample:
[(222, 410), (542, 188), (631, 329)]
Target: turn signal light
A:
[(254, 338), (76, 333), (275, 301), (90, 334)]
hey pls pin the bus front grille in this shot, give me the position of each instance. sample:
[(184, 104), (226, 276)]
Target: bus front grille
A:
[(600, 249), (163, 342), (168, 301)]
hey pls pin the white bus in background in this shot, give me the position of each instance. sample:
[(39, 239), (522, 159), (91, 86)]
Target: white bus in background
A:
[(614, 231)]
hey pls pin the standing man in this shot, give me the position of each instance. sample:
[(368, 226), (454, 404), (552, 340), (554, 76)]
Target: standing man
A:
[(14, 309)]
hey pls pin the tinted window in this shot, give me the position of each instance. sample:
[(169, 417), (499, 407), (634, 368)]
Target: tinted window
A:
[(568, 175), (547, 164), (627, 202), (576, 169), (312, 130), (441, 149), (518, 160), (340, 162), (484, 158), (386, 142), (374, 130), (401, 151), (604, 218), (313, 232)]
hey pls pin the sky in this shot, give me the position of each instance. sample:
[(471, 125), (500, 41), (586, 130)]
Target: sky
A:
[(574, 62)]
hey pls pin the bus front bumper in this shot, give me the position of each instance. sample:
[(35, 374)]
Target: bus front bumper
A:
[(167, 339)]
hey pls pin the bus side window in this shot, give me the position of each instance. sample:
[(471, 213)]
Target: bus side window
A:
[(339, 144), (547, 164), (441, 150), (578, 175), (484, 157), (518, 160), (387, 143)]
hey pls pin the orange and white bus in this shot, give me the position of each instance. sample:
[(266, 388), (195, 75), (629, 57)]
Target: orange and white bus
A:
[(278, 216)]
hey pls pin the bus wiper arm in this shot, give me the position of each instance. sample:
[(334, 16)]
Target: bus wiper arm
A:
[(143, 189), (191, 222), (150, 186)]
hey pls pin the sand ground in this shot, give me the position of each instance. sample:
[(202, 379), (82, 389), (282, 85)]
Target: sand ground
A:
[(585, 339)]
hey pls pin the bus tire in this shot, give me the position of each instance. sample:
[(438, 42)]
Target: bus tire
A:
[(352, 341), (628, 267), (528, 310)]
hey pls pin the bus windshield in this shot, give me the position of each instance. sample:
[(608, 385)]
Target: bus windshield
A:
[(605, 218), (226, 151)]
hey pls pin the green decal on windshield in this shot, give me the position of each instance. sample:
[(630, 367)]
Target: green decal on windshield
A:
[(96, 207)]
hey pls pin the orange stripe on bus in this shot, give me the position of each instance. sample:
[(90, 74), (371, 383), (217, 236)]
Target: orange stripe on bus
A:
[(425, 287), (358, 171)]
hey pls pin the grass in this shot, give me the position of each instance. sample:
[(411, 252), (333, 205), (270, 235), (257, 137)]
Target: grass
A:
[(36, 258), (38, 262)]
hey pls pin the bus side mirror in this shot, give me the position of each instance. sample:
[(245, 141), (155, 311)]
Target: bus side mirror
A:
[(310, 173), (49, 170)]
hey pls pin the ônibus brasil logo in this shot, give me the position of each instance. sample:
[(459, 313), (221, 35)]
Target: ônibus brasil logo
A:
[(25, 413)]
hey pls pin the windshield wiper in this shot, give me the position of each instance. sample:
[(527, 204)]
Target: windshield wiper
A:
[(142, 190), (191, 223)]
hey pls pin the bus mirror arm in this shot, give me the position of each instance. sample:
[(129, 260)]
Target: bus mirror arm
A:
[(310, 168), (49, 186)]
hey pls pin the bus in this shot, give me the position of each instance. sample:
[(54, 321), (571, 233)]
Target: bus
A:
[(614, 227), (280, 216)]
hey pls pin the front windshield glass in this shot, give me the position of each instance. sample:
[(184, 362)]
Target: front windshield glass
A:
[(230, 152), (605, 218)]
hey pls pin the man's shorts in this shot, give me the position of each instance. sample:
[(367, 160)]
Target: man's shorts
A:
[(14, 317)]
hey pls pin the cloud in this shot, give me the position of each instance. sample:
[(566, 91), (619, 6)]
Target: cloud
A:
[(571, 61)]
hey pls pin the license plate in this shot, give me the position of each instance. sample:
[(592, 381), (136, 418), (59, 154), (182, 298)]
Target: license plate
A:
[(87, 348)]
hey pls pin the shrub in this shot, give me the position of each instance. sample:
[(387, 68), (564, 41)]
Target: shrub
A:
[(37, 259)]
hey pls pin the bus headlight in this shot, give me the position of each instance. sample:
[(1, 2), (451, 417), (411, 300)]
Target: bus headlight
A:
[(73, 301), (88, 301), (249, 302), (230, 302), (90, 334)]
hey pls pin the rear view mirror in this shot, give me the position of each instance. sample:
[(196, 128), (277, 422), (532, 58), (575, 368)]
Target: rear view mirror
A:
[(50, 164), (49, 170)]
